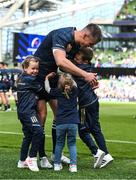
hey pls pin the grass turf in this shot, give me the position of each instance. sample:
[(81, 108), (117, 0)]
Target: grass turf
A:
[(118, 125)]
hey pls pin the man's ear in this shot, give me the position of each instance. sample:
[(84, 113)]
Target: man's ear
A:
[(83, 34)]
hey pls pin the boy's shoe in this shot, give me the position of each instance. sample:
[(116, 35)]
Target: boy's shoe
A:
[(57, 167), (64, 159), (73, 168), (22, 164), (44, 163), (98, 158), (106, 160), (32, 163)]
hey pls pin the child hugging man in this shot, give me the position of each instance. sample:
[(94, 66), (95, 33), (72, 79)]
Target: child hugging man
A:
[(89, 111), (67, 118)]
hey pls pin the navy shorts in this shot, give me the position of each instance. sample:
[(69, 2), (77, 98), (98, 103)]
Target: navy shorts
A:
[(53, 84), (1, 87), (6, 87)]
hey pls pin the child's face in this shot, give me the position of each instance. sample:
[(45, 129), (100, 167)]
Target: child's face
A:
[(32, 69), (79, 58)]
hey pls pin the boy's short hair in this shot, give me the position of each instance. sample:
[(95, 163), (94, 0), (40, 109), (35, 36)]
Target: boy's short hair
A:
[(28, 59), (87, 53)]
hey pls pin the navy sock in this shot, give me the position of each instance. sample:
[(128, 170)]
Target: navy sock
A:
[(42, 146), (53, 136)]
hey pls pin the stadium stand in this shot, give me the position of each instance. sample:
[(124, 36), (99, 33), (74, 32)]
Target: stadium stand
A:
[(114, 56)]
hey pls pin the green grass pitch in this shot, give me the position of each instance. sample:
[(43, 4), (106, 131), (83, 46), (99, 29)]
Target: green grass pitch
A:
[(118, 124)]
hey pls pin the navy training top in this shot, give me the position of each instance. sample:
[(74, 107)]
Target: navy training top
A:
[(27, 90), (86, 95), (56, 39), (67, 112)]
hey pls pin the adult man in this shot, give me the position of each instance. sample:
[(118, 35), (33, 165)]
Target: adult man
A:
[(52, 53)]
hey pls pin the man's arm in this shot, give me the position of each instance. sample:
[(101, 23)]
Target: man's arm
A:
[(68, 66)]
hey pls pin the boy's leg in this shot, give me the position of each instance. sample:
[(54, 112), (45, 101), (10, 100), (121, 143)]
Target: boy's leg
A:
[(92, 118), (87, 139), (84, 133), (92, 115)]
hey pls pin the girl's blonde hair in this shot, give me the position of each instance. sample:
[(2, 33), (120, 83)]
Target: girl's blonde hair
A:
[(66, 83)]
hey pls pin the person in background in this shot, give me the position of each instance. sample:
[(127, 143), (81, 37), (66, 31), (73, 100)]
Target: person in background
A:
[(4, 86)]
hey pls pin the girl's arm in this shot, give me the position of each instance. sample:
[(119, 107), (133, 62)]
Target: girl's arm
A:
[(47, 84)]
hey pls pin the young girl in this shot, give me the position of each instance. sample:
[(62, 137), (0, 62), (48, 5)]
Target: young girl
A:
[(27, 93), (67, 118)]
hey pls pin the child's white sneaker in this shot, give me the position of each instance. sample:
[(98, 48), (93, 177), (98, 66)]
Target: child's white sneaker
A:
[(98, 158), (57, 167), (106, 160), (73, 168), (44, 163), (22, 164), (64, 159), (32, 163)]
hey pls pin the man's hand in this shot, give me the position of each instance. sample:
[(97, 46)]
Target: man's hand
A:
[(91, 78), (96, 85)]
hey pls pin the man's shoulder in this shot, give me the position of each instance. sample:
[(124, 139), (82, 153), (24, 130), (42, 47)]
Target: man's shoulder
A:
[(66, 29)]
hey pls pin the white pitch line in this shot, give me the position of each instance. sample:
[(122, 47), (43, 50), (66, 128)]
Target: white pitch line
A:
[(118, 141), (108, 140)]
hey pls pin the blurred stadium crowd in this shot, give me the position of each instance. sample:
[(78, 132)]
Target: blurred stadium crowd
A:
[(122, 88), (124, 59)]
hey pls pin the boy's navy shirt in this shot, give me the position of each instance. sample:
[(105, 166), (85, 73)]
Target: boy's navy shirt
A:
[(67, 112), (56, 39), (86, 95), (27, 91)]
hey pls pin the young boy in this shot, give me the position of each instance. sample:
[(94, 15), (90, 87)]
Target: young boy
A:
[(67, 118), (27, 94), (89, 112)]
